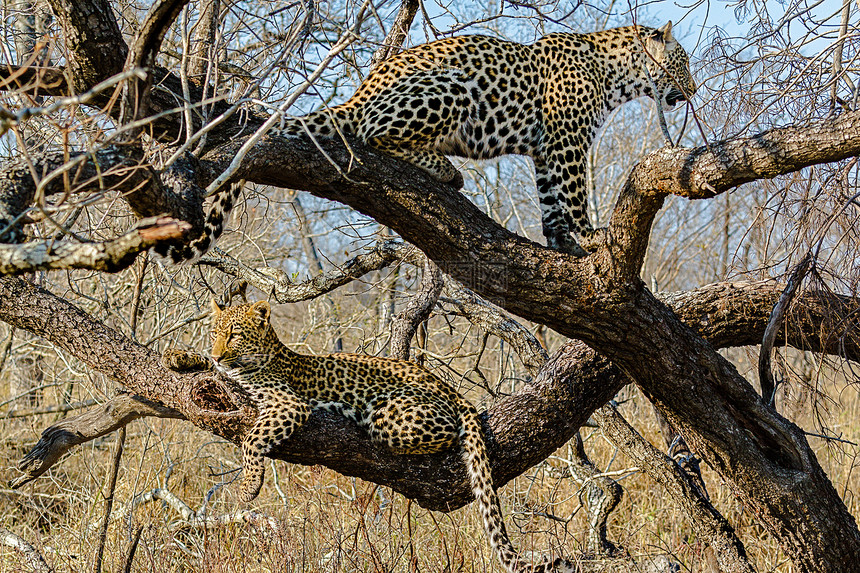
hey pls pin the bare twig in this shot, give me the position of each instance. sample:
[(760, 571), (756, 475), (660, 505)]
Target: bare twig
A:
[(111, 489), (30, 553), (277, 282), (191, 519), (497, 322), (55, 409)]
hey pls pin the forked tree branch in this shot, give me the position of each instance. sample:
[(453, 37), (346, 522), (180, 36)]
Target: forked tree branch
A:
[(405, 324)]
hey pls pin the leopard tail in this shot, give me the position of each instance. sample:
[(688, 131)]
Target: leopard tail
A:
[(477, 462), (481, 480), (324, 122), (327, 122)]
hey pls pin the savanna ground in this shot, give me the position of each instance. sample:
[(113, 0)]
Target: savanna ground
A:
[(323, 521)]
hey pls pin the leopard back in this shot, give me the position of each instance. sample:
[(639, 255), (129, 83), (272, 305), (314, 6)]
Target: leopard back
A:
[(481, 97)]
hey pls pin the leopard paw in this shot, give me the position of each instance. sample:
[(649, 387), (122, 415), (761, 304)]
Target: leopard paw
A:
[(184, 361)]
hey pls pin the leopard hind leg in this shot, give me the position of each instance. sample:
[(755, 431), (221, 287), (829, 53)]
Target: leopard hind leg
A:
[(418, 119), (325, 122), (429, 160), (405, 427), (275, 424)]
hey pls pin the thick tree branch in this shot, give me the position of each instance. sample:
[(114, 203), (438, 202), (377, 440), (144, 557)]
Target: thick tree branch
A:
[(707, 171), (710, 170), (95, 48), (33, 80), (69, 432), (174, 192), (198, 395), (736, 314)]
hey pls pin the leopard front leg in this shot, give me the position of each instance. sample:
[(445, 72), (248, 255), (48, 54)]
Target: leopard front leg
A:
[(280, 415), (560, 170), (184, 360)]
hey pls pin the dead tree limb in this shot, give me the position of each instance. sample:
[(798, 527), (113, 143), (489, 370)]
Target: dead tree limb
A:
[(765, 373), (30, 554), (109, 256), (707, 522), (69, 432)]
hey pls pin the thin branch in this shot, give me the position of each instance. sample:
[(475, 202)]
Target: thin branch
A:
[(144, 49), (277, 282), (9, 119), (55, 409), (111, 489), (405, 324), (494, 320), (397, 34)]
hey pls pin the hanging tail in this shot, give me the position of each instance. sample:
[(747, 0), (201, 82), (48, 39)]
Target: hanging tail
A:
[(328, 122), (480, 477), (218, 213)]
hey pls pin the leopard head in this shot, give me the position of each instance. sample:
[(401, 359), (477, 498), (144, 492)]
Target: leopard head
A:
[(243, 340), (669, 67)]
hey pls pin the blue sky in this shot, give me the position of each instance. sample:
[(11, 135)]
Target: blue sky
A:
[(694, 19)]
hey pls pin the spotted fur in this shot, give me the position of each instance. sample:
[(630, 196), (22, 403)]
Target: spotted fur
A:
[(402, 406), (481, 97)]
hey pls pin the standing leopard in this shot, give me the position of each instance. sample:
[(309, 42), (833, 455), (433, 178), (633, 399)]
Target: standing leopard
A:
[(402, 406), (481, 97)]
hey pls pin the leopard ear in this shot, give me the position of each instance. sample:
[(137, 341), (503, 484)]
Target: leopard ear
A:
[(216, 308), (261, 310), (664, 33)]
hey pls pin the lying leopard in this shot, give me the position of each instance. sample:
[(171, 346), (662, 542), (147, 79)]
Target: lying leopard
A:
[(402, 406), (481, 97)]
